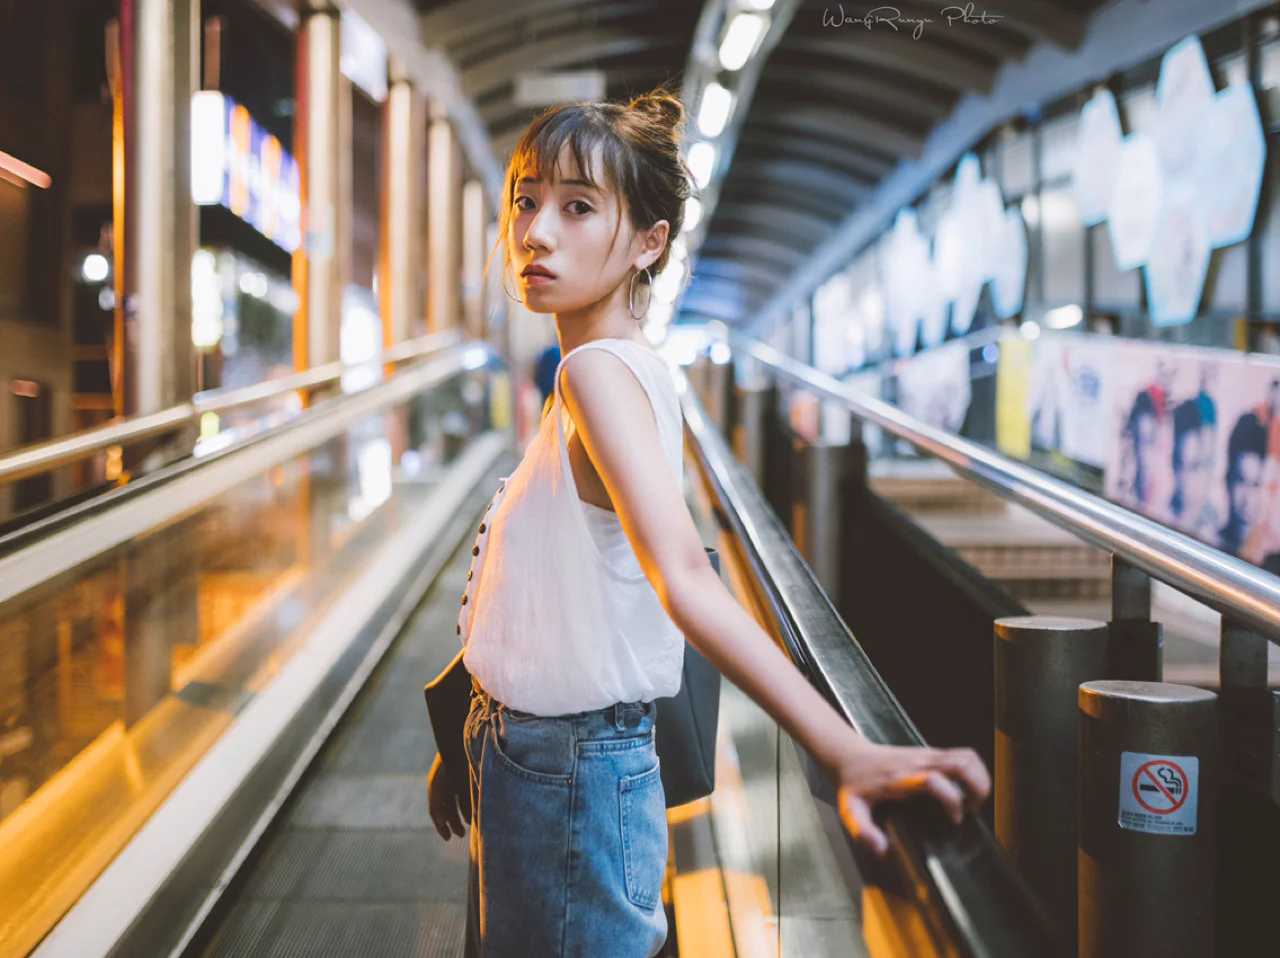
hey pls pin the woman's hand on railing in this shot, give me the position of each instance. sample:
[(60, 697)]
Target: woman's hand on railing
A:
[(870, 774)]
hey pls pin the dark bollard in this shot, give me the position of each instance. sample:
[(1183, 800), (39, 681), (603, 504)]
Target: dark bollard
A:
[(1148, 842), (1040, 662)]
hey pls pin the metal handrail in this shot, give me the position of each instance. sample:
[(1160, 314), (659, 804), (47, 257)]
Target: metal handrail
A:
[(972, 900), (1243, 592), (59, 452)]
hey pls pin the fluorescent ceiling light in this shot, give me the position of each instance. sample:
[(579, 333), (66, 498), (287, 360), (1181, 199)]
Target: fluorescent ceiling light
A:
[(692, 213), (702, 161), (741, 39), (713, 111)]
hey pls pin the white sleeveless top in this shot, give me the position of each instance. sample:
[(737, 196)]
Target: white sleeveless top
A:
[(558, 616)]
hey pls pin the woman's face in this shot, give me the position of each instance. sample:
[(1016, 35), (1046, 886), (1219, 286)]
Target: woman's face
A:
[(565, 226)]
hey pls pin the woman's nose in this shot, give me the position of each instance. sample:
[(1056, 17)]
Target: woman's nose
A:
[(541, 229)]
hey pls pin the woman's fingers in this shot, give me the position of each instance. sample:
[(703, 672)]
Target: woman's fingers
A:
[(855, 813), (949, 795), (964, 765)]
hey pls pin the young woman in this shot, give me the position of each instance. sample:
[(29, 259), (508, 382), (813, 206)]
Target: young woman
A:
[(595, 575)]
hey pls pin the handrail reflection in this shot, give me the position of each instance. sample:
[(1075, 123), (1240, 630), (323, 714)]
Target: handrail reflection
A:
[(971, 899)]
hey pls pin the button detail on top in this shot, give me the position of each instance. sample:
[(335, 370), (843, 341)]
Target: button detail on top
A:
[(470, 573), (459, 627), (475, 550), (482, 527), (464, 598)]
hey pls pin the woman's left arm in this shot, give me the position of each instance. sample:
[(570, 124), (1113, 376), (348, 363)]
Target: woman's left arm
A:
[(617, 427)]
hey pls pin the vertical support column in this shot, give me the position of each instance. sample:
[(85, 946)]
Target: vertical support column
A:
[(473, 251), (716, 390), (817, 515), (747, 438), (160, 232), (1148, 836), (1137, 643), (317, 263), (777, 451), (399, 259), (1040, 662), (496, 327), (1249, 822), (444, 200)]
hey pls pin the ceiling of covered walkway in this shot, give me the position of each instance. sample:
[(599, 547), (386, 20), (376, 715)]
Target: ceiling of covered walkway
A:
[(836, 106)]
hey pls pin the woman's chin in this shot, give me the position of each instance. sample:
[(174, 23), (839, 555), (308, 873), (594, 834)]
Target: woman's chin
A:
[(538, 300)]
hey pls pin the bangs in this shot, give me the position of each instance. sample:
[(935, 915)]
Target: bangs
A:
[(539, 152)]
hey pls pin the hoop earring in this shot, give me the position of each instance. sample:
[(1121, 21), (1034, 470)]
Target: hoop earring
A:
[(513, 299), (631, 294)]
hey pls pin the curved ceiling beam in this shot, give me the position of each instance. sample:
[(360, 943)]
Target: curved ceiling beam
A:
[(831, 77), (737, 271), (1049, 21), (541, 17), (824, 206), (753, 287), (729, 291), (763, 248), (766, 203), (917, 58), (846, 151), (888, 137), (501, 113), (454, 23), (756, 221), (566, 49), (759, 146), (794, 174)]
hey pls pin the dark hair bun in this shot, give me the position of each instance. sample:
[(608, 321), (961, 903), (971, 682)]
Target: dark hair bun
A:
[(664, 106)]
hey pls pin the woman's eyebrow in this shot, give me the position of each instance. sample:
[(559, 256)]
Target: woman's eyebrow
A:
[(530, 179)]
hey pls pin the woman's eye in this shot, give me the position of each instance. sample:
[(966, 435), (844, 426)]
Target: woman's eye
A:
[(518, 199), (585, 208)]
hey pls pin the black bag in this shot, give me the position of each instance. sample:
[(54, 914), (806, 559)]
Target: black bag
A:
[(684, 727)]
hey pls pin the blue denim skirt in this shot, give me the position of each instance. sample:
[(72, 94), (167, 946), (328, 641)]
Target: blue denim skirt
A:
[(568, 838)]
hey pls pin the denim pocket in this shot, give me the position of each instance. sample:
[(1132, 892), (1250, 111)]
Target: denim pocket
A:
[(644, 836), (538, 750)]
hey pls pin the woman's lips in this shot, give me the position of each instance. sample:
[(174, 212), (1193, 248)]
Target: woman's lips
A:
[(538, 279)]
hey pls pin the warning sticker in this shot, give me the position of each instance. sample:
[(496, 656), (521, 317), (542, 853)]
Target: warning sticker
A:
[(1158, 793)]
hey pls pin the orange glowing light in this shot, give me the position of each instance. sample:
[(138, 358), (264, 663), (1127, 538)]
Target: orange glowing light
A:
[(25, 172)]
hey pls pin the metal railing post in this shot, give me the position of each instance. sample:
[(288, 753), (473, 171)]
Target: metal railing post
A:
[(1137, 643), (1250, 790), (1148, 838), (778, 461), (1040, 662), (817, 508)]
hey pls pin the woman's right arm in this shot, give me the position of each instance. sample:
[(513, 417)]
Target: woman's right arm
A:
[(620, 434), (864, 772)]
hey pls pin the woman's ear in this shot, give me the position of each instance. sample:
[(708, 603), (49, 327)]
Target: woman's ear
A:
[(653, 242)]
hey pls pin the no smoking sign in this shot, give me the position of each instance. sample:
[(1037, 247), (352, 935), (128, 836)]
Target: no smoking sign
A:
[(1159, 793)]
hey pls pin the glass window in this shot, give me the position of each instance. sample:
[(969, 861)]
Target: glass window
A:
[(1113, 289), (1227, 283), (1058, 146), (1063, 247), (1017, 163)]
